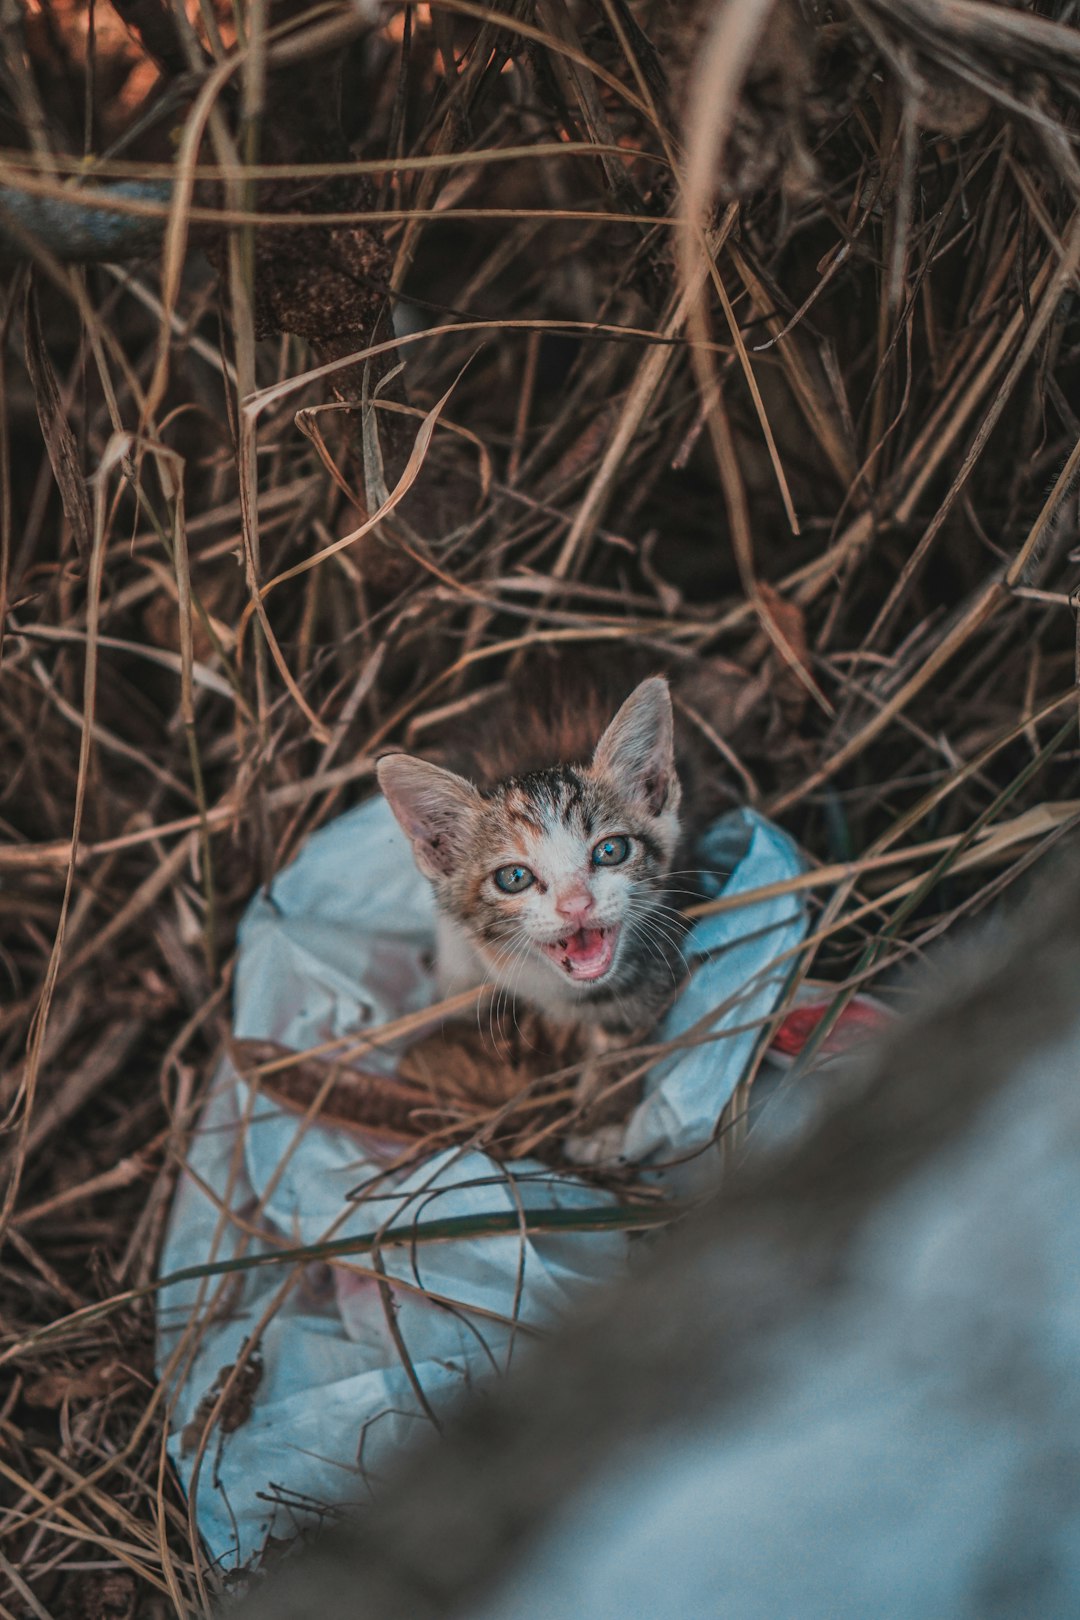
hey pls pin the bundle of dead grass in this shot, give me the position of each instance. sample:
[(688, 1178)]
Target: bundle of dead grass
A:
[(749, 333)]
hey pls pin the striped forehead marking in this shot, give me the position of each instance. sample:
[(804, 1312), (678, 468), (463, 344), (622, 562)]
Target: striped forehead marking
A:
[(546, 799), (520, 808)]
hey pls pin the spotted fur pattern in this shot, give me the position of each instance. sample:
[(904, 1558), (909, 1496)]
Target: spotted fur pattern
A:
[(549, 821)]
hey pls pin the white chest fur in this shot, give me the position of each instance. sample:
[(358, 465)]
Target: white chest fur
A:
[(460, 965)]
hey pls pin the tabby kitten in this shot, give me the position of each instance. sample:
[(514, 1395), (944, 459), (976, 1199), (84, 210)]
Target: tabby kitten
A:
[(549, 882)]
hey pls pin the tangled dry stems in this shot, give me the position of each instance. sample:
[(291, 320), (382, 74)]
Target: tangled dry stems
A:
[(749, 334)]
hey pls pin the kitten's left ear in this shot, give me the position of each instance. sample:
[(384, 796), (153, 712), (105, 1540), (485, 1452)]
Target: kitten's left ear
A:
[(637, 751)]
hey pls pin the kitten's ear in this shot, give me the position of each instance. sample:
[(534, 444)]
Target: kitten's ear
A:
[(637, 751), (433, 806)]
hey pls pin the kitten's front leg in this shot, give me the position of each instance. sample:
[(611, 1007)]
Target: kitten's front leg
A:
[(599, 1097), (602, 1104), (598, 1070)]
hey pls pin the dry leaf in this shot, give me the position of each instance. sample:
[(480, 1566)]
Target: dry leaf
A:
[(87, 1384)]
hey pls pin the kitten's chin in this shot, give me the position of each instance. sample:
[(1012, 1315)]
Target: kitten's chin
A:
[(586, 955)]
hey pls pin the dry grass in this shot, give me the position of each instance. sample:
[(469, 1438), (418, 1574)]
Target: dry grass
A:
[(751, 335)]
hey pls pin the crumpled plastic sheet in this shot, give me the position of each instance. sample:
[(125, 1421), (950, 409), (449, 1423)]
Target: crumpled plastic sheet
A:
[(340, 945)]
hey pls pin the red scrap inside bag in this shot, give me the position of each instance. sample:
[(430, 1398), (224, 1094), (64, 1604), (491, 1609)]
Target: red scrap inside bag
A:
[(861, 1017)]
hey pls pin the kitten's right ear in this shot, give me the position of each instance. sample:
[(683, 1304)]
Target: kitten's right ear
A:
[(433, 807)]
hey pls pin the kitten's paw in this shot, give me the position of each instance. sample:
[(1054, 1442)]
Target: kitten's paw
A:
[(602, 1146)]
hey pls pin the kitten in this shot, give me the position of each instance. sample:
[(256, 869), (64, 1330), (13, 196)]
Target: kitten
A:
[(550, 878)]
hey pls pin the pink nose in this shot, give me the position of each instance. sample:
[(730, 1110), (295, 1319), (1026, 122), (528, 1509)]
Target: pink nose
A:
[(574, 903)]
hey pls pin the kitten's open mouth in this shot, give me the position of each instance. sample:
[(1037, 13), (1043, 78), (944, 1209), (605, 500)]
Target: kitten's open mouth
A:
[(586, 954)]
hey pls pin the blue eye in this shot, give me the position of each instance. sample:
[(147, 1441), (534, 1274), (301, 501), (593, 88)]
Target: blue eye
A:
[(611, 851), (512, 879)]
